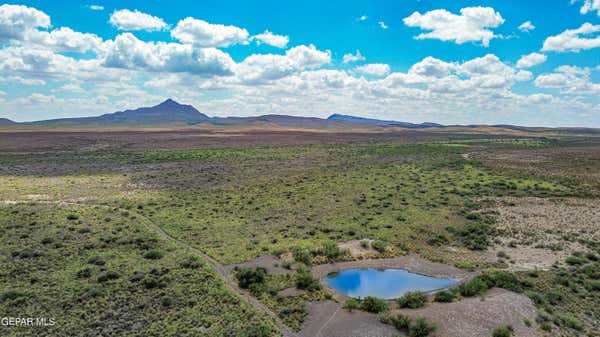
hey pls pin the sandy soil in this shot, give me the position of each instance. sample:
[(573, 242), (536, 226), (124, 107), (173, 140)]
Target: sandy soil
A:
[(477, 317), (328, 319), (536, 232)]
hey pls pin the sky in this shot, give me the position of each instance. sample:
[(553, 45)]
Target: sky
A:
[(533, 63)]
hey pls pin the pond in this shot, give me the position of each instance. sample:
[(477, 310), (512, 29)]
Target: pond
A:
[(385, 284)]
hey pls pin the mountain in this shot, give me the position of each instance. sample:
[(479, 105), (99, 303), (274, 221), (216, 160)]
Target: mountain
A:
[(6, 121), (168, 112), (338, 117), (283, 120)]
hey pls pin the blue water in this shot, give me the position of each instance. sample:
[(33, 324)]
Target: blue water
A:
[(385, 284)]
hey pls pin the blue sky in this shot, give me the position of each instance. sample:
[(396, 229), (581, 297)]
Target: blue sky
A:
[(430, 60)]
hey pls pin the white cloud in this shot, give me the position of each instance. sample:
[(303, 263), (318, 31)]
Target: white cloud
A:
[(267, 67), (63, 39), (526, 26), (569, 80), (128, 52), (363, 18), (21, 80), (125, 19), (202, 33), (470, 26), (530, 60), (279, 41), (574, 40), (15, 20), (353, 57), (432, 67), (96, 7), (382, 25), (590, 6), (374, 69)]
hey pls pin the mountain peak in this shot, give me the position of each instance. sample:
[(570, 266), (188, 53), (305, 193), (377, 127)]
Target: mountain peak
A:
[(169, 102)]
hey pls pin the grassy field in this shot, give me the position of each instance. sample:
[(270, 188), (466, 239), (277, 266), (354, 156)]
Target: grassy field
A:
[(76, 243)]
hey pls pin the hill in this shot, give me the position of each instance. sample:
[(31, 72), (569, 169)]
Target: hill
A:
[(168, 112), (348, 118)]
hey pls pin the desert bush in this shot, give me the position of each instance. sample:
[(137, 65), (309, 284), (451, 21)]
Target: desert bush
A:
[(306, 280), (438, 240), (352, 304), (444, 296), (412, 300), (473, 287), (420, 327), (154, 254), (379, 246), (399, 321), (475, 236), (84, 273), (96, 260), (72, 217), (107, 276), (302, 255), (247, 277), (503, 331), (374, 305)]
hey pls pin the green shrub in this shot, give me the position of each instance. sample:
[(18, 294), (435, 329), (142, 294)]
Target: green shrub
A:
[(247, 277), (306, 280), (191, 262), (97, 260), (473, 287), (475, 236), (331, 250), (503, 331), (107, 276), (412, 300), (502, 279), (438, 240), (399, 321), (374, 305), (421, 328), (84, 273), (11, 295), (302, 255), (444, 296), (352, 304), (72, 217), (379, 246), (575, 260), (153, 255)]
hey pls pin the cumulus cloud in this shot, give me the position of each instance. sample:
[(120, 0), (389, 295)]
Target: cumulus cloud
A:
[(373, 69), (279, 41), (574, 40), (64, 39), (470, 26), (363, 18), (530, 60), (128, 52), (202, 33), (353, 57), (126, 19), (267, 67), (96, 7), (590, 6), (382, 25), (526, 26), (16, 20), (569, 80)]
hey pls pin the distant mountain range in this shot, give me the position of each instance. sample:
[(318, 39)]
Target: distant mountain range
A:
[(171, 113), (337, 117)]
